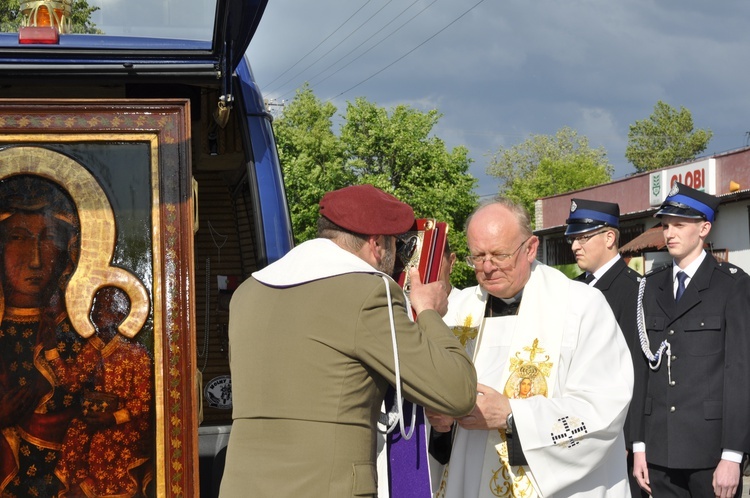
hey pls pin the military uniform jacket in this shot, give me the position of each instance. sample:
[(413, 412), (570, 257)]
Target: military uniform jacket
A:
[(705, 406), (311, 361), (619, 285)]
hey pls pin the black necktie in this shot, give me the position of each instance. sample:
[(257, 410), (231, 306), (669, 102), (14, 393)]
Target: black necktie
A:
[(589, 278), (681, 276)]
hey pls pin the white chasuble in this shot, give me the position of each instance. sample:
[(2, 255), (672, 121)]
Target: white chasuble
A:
[(565, 366)]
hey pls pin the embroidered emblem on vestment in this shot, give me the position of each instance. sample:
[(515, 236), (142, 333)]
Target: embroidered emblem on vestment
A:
[(567, 430), (466, 330), (528, 377)]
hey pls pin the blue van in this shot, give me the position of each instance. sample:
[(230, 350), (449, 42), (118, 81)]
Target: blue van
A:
[(194, 51)]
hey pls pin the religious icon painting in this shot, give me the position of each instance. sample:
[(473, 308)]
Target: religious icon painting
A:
[(528, 376), (95, 352)]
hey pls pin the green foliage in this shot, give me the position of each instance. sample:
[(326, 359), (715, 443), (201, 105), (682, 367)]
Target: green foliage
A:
[(546, 165), (311, 158), (393, 151), (80, 16), (9, 10), (397, 153), (664, 139), (570, 270)]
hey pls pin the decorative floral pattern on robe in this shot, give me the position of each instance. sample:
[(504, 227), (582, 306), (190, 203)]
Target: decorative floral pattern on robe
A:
[(109, 461)]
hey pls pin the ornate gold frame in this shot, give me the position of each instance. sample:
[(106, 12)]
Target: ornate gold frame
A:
[(42, 132)]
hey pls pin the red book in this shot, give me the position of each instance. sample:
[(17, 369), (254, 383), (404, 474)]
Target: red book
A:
[(427, 238)]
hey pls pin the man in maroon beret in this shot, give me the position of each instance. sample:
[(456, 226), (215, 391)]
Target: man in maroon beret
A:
[(316, 339)]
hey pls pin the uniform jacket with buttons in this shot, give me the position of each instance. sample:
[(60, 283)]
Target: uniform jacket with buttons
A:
[(705, 406), (619, 284)]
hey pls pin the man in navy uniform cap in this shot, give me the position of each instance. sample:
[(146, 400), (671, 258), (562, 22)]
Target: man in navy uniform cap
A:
[(695, 314), (594, 236)]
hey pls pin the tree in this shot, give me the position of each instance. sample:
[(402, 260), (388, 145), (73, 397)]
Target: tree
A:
[(546, 165), (80, 16), (664, 139), (393, 152), (311, 157), (397, 153)]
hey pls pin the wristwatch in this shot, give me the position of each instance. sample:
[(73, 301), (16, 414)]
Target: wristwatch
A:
[(509, 424)]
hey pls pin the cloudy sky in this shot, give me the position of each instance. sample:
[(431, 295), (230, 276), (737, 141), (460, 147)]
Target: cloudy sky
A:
[(501, 70)]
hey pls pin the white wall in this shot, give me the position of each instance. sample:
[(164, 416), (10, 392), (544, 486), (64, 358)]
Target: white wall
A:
[(731, 230)]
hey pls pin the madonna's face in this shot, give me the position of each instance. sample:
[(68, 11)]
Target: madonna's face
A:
[(525, 387), (34, 251)]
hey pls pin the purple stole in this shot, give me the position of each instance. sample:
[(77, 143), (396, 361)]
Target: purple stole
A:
[(408, 465)]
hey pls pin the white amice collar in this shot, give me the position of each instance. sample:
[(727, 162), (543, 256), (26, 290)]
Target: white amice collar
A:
[(312, 260)]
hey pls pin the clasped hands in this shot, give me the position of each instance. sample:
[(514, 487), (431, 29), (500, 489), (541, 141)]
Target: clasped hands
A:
[(490, 412)]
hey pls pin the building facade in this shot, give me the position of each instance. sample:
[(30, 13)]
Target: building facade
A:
[(726, 175)]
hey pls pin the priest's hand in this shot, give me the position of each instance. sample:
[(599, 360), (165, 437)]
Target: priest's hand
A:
[(430, 296), (490, 412), (640, 470), (438, 421), (726, 479)]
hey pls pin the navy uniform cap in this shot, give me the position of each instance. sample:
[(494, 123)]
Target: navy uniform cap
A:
[(586, 215), (688, 203)]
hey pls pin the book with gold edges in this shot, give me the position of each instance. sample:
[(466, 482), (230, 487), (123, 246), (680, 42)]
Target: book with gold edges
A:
[(426, 243)]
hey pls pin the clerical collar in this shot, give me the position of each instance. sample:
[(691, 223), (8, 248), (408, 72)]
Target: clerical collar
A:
[(502, 307)]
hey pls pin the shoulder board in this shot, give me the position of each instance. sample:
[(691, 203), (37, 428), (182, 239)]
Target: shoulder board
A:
[(657, 270), (633, 275), (730, 269)]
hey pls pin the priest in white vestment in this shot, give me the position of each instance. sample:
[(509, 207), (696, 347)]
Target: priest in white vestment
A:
[(551, 364)]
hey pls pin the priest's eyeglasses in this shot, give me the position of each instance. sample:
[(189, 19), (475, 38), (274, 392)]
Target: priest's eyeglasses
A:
[(582, 239), (499, 261)]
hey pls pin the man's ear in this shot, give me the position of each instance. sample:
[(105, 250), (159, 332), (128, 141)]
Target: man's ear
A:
[(611, 239), (705, 228), (376, 245), (532, 248)]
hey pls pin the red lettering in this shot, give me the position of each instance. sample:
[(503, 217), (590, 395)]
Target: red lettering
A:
[(698, 176), (694, 179)]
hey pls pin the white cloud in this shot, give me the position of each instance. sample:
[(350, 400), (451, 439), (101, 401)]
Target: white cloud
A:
[(510, 68)]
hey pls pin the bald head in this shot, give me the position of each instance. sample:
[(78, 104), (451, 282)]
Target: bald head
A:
[(502, 246)]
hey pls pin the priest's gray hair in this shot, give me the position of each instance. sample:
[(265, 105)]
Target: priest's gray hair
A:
[(517, 210)]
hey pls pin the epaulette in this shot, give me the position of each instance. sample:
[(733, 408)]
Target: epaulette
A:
[(730, 269), (633, 275), (654, 271)]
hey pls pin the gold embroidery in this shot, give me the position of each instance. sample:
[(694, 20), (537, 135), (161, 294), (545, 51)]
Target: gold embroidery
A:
[(504, 483), (465, 331), (528, 378)]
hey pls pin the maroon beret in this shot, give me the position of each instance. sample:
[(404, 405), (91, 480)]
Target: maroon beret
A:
[(367, 210)]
